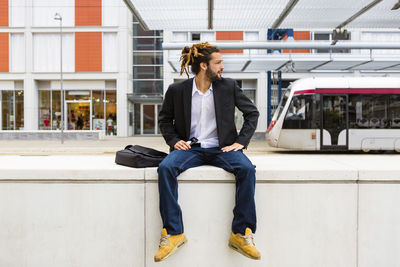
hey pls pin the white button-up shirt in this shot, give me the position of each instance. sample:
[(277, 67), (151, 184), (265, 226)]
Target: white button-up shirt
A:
[(203, 123)]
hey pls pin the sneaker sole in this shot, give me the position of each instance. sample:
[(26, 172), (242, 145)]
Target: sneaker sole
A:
[(238, 249), (178, 246)]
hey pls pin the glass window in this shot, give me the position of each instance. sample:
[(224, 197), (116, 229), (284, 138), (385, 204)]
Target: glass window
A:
[(302, 113), (147, 44), (77, 95), (148, 119), (44, 110), (394, 111), (147, 58), (147, 72), (56, 110), (137, 119), (148, 87), (195, 36), (111, 112), (369, 111), (328, 37), (7, 105), (19, 110), (98, 103)]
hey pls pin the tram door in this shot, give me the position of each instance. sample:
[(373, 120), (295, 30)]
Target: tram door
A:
[(334, 122)]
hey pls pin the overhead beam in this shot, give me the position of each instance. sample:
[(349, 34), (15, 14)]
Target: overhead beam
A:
[(136, 13), (246, 65), (294, 45), (284, 14), (359, 13), (210, 14)]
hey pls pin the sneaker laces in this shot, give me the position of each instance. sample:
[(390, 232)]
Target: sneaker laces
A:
[(164, 241), (248, 240)]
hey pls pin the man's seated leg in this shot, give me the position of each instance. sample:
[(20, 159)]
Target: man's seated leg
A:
[(172, 236), (244, 220)]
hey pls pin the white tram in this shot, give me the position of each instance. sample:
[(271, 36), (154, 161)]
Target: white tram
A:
[(355, 113)]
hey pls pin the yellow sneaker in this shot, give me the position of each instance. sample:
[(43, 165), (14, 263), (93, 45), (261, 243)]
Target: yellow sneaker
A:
[(169, 244), (244, 244)]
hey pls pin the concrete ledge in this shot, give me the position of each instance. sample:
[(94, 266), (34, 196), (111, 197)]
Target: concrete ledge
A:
[(313, 210), (270, 167), (51, 135)]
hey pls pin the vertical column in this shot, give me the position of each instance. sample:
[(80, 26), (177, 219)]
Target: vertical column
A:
[(31, 109), (262, 102), (124, 81)]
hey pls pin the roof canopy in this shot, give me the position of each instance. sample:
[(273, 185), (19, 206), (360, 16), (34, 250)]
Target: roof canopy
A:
[(262, 14)]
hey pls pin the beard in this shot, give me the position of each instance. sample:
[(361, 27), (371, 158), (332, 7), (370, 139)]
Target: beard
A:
[(213, 76)]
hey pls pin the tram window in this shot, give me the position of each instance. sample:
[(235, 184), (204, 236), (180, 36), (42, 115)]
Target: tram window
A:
[(394, 111), (369, 111), (301, 113)]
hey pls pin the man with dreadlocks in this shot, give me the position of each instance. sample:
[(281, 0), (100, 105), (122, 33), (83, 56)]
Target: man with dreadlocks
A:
[(197, 122)]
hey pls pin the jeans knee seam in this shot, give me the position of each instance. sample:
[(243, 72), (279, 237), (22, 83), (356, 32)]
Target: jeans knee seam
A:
[(183, 163), (226, 162)]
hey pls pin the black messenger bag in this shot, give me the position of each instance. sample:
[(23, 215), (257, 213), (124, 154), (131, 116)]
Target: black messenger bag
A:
[(139, 157)]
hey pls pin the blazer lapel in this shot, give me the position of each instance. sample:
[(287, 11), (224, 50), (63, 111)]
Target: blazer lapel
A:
[(187, 105), (217, 93)]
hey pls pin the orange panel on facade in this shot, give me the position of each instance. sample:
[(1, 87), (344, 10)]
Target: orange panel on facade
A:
[(230, 36), (4, 54), (87, 12), (88, 51), (3, 13), (299, 36)]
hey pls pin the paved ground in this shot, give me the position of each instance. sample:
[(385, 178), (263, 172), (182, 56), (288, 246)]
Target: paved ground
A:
[(108, 145)]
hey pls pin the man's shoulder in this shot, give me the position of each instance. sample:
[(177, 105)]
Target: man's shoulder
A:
[(181, 84), (225, 82)]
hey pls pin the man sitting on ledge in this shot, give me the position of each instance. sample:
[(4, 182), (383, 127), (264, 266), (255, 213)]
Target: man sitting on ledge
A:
[(197, 122)]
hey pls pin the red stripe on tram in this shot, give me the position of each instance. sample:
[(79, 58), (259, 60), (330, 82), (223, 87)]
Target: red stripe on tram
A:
[(349, 91)]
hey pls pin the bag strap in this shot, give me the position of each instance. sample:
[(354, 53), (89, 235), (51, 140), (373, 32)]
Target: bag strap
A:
[(132, 148)]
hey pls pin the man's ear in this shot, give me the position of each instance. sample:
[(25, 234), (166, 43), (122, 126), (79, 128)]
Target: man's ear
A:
[(203, 66)]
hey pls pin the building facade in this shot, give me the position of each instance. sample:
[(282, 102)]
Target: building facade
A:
[(96, 65)]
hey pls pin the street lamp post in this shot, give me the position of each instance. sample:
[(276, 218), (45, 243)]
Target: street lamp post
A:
[(57, 16)]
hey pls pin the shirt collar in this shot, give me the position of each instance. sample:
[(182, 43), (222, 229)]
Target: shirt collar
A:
[(194, 90)]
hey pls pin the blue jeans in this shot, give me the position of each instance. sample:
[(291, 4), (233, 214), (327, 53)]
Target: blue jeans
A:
[(244, 213)]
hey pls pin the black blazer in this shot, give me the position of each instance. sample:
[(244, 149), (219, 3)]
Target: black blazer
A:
[(175, 114)]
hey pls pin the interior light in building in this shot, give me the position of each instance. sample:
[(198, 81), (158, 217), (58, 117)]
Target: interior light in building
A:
[(78, 93)]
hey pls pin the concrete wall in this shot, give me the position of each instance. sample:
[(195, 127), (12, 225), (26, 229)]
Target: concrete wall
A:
[(313, 210)]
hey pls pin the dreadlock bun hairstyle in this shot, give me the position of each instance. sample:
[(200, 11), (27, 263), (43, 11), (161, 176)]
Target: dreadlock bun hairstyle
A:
[(194, 55)]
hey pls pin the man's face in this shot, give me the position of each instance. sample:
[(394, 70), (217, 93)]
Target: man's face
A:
[(215, 67)]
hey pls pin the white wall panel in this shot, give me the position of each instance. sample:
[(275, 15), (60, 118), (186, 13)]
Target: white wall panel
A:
[(17, 13), (110, 12), (381, 37), (46, 52), (44, 10), (17, 52), (110, 52)]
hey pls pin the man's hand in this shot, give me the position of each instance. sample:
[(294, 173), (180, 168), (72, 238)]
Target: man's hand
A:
[(182, 145), (234, 147)]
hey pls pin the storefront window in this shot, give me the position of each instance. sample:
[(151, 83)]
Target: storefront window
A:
[(83, 110), (137, 119), (7, 104), (111, 112), (98, 101), (77, 95), (44, 110), (19, 110), (56, 110)]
